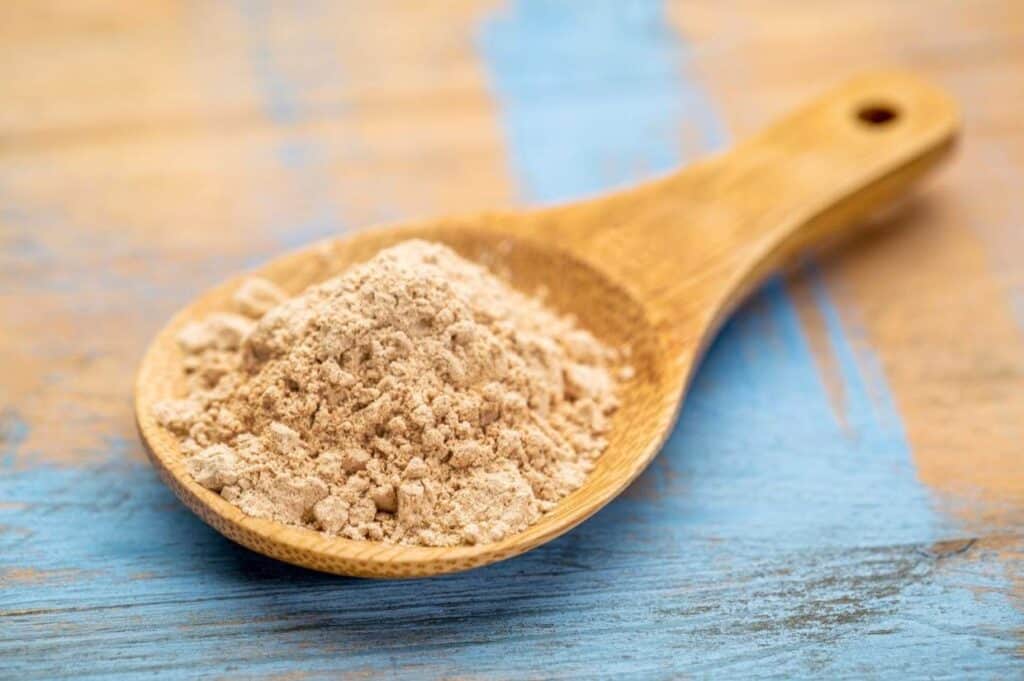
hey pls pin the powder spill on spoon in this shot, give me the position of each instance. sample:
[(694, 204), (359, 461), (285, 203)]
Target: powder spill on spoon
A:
[(415, 399)]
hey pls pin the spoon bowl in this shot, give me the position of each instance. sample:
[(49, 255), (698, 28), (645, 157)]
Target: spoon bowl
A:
[(654, 269), (649, 400)]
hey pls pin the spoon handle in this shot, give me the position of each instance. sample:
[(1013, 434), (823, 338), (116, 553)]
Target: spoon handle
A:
[(692, 244)]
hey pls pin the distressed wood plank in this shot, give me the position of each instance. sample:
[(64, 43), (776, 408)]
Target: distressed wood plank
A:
[(947, 332), (810, 516), (671, 596)]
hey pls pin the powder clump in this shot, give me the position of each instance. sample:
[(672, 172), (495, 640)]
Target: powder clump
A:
[(416, 399)]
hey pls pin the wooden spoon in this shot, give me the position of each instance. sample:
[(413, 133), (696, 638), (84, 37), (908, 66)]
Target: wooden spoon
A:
[(655, 268)]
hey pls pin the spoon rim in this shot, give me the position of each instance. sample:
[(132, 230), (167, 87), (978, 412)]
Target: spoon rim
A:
[(339, 555)]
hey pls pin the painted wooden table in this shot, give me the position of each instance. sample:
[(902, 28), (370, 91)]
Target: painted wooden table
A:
[(843, 496)]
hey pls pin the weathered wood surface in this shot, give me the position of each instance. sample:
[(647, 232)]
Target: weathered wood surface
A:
[(844, 493)]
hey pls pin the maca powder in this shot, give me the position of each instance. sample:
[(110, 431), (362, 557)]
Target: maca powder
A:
[(414, 399)]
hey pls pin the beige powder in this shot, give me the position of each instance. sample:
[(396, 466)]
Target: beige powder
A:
[(415, 399)]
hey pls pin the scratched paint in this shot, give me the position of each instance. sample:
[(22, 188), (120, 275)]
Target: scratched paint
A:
[(105, 574), (666, 599), (567, 145), (336, 146), (758, 421), (13, 432), (760, 371), (905, 314), (981, 244), (285, 72), (428, 146), (944, 329), (938, 298), (98, 193)]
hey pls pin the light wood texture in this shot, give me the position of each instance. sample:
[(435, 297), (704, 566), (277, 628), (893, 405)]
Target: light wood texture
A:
[(729, 222), (844, 487)]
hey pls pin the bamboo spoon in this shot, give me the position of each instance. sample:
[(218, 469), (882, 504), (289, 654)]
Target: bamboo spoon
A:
[(655, 268)]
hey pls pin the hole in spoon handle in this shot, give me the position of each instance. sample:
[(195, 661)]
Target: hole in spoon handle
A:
[(809, 180), (694, 243), (877, 115), (805, 182)]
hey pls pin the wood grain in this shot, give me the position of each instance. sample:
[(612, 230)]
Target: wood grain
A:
[(808, 180), (815, 513)]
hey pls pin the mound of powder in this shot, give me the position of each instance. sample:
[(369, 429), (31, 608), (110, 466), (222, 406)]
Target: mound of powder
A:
[(414, 399)]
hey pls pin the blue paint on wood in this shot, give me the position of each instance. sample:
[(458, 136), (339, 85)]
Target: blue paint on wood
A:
[(13, 432), (283, 80), (757, 425), (129, 582), (759, 396), (764, 541), (592, 99), (868, 405)]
